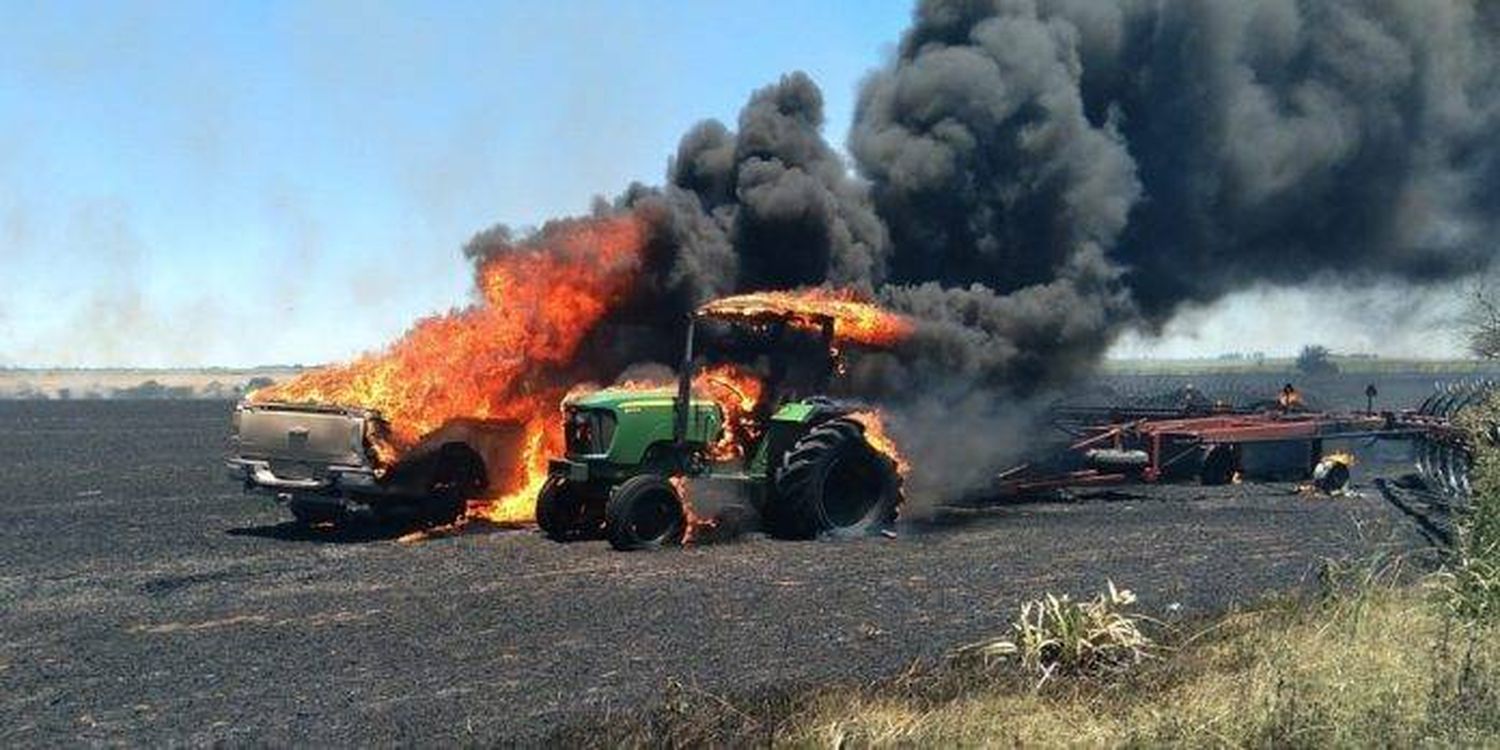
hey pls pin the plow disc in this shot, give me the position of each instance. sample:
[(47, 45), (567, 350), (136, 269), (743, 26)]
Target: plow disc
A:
[(1443, 458)]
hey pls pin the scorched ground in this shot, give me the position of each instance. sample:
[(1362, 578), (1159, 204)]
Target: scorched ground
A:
[(145, 601)]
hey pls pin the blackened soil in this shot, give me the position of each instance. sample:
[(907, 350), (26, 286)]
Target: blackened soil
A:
[(145, 600)]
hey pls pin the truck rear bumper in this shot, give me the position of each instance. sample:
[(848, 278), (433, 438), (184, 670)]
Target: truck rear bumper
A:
[(257, 475)]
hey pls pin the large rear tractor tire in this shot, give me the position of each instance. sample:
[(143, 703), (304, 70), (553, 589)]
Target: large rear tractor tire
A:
[(831, 482), (644, 512), (564, 512)]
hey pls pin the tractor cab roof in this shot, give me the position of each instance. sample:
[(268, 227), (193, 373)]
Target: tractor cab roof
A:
[(845, 317), (755, 309)]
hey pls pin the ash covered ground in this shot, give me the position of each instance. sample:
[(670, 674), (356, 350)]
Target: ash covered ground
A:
[(145, 599)]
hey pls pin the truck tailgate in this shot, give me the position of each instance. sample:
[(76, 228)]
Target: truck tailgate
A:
[(301, 435)]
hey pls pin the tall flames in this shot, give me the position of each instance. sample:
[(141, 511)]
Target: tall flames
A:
[(738, 392), (503, 358), (509, 356)]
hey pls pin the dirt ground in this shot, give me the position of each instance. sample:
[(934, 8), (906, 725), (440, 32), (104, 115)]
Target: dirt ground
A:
[(146, 600)]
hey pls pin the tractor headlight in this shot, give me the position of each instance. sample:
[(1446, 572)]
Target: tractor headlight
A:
[(589, 431)]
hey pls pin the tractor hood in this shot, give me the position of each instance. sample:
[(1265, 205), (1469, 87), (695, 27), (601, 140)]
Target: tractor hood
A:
[(619, 399), (641, 419)]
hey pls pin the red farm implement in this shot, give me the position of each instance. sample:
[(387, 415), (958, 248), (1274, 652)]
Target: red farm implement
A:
[(1216, 444)]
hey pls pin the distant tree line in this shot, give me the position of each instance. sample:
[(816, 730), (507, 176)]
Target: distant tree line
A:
[(1316, 359), (150, 389)]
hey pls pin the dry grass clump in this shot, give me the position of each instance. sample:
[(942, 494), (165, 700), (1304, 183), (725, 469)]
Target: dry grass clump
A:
[(1057, 635)]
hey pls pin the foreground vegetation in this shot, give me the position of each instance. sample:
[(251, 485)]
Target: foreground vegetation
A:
[(1370, 664), (1376, 668)]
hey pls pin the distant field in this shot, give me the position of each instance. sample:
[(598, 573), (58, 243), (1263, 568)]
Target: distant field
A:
[(228, 383), (1272, 366), (212, 383)]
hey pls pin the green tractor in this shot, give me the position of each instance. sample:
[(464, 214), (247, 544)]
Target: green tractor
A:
[(806, 470)]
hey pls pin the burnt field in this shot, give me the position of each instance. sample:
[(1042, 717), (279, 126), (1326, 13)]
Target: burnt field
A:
[(145, 599)]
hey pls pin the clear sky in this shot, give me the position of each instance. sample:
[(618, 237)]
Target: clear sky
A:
[(235, 183), (221, 183)]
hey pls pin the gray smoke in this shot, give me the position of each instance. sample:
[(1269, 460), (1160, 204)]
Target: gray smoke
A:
[(768, 206)]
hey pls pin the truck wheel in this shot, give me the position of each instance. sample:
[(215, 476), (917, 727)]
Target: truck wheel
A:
[(444, 508), (832, 482), (312, 512), (644, 512), (564, 513), (460, 475)]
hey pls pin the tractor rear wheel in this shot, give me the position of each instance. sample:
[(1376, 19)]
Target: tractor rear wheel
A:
[(833, 482), (564, 512), (644, 512)]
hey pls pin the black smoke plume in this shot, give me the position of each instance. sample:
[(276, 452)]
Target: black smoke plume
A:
[(1202, 147)]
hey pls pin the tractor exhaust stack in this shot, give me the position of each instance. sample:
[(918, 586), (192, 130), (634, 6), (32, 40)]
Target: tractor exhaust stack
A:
[(683, 402)]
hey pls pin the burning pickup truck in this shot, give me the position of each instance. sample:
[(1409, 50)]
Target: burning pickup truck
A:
[(324, 461)]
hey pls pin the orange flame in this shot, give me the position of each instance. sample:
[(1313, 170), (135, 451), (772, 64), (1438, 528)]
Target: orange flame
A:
[(696, 525), (1341, 457), (501, 359), (855, 318), (738, 392), (881, 440), (1289, 398)]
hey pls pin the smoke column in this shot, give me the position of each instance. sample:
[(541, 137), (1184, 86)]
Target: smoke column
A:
[(1131, 157)]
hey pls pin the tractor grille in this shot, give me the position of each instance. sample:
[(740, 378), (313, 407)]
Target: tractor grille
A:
[(589, 431)]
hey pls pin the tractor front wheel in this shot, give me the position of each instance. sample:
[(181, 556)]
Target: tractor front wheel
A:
[(832, 482), (564, 513), (644, 512)]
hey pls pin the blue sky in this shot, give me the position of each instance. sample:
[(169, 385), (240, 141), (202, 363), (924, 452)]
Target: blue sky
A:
[(237, 183), (218, 183)]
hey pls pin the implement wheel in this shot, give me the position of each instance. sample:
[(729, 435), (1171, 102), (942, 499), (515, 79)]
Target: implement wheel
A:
[(564, 513), (644, 512), (832, 482), (1218, 465)]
